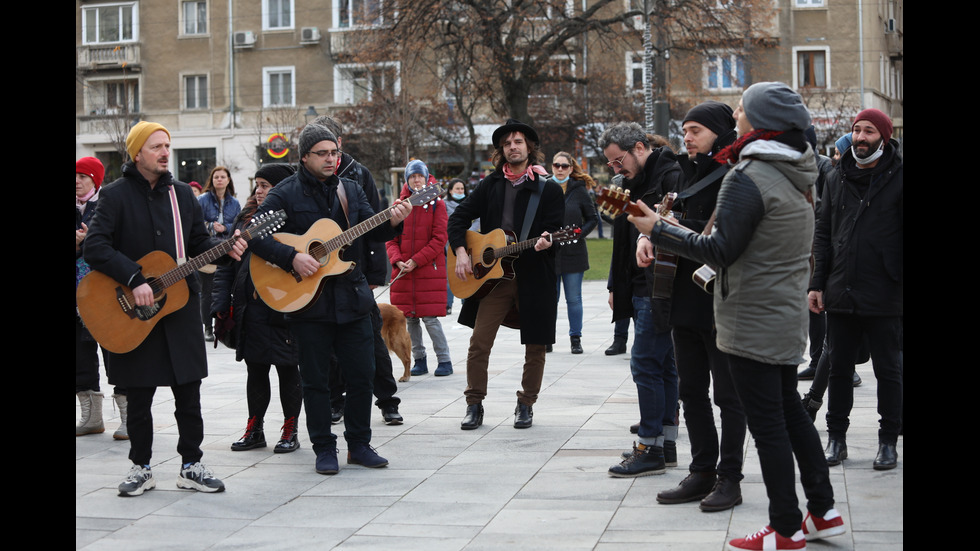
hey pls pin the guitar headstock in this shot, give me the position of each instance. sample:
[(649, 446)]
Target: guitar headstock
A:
[(566, 235), (428, 193), (613, 201), (264, 224)]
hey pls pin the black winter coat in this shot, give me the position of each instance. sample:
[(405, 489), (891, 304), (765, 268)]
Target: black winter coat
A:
[(573, 258), (535, 271), (374, 260), (859, 240), (261, 332), (131, 220), (344, 298), (661, 174)]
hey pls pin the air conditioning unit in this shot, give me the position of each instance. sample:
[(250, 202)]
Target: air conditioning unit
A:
[(244, 39), (890, 25), (309, 35)]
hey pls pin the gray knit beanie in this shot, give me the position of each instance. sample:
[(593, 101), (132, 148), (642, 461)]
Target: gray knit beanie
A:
[(774, 106), (312, 135)]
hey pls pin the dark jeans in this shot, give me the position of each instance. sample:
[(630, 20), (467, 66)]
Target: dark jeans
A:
[(351, 342), (698, 363), (385, 386), (885, 337), (652, 366), (259, 391), (782, 429), (187, 412)]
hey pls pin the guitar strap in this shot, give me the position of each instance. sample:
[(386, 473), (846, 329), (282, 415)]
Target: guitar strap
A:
[(532, 209), (178, 229), (703, 183), (342, 195)]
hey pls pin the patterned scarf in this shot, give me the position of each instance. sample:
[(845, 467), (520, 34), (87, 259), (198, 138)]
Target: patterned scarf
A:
[(518, 179)]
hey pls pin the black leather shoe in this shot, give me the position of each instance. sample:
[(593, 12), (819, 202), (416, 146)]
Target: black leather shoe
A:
[(549, 349), (693, 488), (807, 374), (887, 457), (523, 415), (726, 494), (473, 417), (577, 345), (391, 415), (618, 347), (254, 436), (856, 380), (289, 441), (836, 451), (635, 428)]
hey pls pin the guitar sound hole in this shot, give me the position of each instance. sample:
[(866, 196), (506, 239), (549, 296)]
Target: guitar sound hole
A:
[(144, 313), (487, 257)]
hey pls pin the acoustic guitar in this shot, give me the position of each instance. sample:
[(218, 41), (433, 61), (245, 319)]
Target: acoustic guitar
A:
[(614, 202), (109, 310), (492, 257), (286, 291)]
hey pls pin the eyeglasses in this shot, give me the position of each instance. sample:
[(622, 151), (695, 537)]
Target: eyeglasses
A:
[(323, 153), (562, 166), (618, 163)]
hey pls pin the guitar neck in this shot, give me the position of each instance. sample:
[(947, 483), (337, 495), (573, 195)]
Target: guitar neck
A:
[(187, 268), (348, 237), (517, 248)]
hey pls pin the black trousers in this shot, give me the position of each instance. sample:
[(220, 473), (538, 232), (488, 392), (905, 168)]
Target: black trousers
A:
[(698, 362), (187, 412), (885, 340), (385, 386)]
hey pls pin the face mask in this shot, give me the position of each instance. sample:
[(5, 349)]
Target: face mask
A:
[(870, 158), (459, 196)]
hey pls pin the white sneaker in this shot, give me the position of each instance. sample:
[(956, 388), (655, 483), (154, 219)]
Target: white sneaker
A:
[(198, 477), (139, 480)]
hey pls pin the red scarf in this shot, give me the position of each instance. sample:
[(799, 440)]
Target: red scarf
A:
[(732, 152)]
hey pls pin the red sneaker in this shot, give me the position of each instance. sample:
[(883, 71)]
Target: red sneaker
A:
[(831, 524), (768, 539)]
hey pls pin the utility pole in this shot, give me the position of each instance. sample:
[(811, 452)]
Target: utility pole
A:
[(656, 112)]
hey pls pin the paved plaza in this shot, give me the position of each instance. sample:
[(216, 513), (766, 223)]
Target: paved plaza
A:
[(494, 488)]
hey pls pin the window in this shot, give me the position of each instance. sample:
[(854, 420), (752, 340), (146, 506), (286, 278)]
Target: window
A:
[(196, 92), (724, 72), (278, 85), (357, 83), (107, 23), (635, 71), (808, 3), (277, 14), (811, 67), (194, 17), (112, 96), (194, 165), (357, 13)]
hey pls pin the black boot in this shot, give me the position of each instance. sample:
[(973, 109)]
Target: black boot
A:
[(726, 494), (618, 347), (887, 457), (289, 442), (473, 417), (642, 462), (577, 345), (523, 415), (836, 451), (695, 487), (254, 436)]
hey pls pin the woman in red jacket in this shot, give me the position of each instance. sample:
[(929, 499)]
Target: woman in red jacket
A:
[(419, 256)]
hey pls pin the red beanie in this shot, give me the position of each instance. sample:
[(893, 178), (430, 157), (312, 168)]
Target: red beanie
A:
[(878, 119), (92, 167)]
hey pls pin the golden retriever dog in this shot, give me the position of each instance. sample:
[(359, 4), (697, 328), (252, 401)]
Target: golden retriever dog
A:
[(394, 331)]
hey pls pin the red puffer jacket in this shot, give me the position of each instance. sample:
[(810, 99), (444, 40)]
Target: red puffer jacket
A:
[(421, 292)]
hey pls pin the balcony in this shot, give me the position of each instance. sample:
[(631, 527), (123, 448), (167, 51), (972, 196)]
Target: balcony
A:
[(109, 56)]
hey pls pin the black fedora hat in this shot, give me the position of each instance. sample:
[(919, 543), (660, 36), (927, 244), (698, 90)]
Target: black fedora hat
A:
[(514, 125)]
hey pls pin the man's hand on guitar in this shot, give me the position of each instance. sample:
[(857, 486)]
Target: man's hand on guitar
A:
[(542, 243), (143, 295), (463, 266), (644, 252), (238, 249), (400, 211), (305, 265), (646, 222)]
